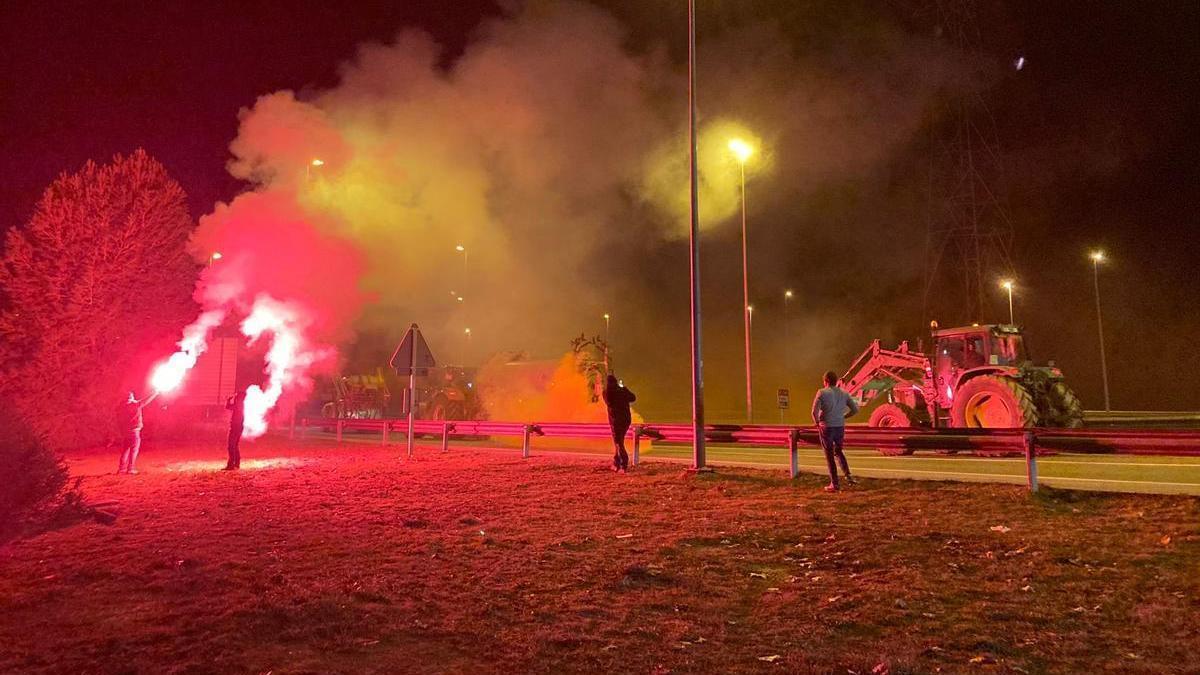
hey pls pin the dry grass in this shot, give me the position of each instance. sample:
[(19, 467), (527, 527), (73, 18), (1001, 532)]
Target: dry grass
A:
[(346, 560)]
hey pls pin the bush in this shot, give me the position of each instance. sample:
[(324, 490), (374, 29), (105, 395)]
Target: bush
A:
[(36, 485)]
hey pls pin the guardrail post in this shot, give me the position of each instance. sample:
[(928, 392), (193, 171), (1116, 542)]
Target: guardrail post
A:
[(386, 424), (339, 431), (793, 450), (525, 440), (1031, 460), (637, 444), (446, 427)]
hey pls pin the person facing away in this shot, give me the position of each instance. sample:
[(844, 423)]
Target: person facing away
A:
[(617, 398), (830, 409), (236, 405), (132, 414)]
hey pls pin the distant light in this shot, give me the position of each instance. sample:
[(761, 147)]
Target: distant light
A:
[(741, 148), (1007, 284), (467, 331), (452, 293), (216, 255), (606, 317), (750, 308), (1019, 62), (317, 162), (1097, 256), (460, 248), (460, 298), (787, 294)]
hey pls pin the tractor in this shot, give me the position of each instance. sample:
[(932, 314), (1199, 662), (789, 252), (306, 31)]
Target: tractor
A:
[(977, 377)]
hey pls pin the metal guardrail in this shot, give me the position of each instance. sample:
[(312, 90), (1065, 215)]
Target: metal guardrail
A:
[(1142, 417), (1027, 442)]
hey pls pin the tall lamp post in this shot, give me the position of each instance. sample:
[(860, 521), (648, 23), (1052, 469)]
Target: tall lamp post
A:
[(749, 340), (694, 257), (466, 269), (787, 337), (1097, 258), (308, 168), (742, 150), (606, 338), (1007, 285)]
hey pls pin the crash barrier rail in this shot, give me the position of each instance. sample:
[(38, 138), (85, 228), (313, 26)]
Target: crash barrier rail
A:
[(1142, 417), (889, 440)]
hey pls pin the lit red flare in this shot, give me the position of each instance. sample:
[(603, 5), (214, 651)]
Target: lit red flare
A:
[(287, 359), (169, 374)]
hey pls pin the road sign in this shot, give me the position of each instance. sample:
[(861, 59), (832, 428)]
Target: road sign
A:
[(784, 399), (412, 358), (404, 359)]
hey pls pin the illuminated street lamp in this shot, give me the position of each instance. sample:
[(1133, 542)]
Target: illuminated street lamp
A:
[(742, 151), (787, 339), (1097, 257), (308, 168), (1007, 285), (216, 255), (607, 332), (466, 272)]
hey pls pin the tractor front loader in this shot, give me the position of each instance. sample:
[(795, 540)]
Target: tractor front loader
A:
[(977, 377)]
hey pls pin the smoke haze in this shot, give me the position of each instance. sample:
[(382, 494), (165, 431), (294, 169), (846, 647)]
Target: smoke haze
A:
[(555, 155)]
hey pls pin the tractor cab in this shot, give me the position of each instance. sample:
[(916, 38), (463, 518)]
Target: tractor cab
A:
[(997, 347)]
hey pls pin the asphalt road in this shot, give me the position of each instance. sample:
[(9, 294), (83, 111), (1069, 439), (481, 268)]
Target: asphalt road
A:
[(1117, 473)]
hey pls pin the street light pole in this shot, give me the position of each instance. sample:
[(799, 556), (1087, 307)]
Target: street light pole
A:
[(308, 168), (694, 258), (1097, 258), (787, 338), (746, 300), (749, 341), (606, 339)]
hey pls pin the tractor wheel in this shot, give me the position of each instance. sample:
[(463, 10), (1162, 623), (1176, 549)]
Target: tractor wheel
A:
[(1068, 411), (891, 415), (993, 402)]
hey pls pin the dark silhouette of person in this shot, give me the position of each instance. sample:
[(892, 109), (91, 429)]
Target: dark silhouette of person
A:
[(236, 405), (830, 408), (132, 414), (618, 398), (973, 358)]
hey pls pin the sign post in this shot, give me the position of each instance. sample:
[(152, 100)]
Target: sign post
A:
[(784, 401), (412, 355)]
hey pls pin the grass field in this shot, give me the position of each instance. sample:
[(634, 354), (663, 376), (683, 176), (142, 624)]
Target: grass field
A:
[(344, 559)]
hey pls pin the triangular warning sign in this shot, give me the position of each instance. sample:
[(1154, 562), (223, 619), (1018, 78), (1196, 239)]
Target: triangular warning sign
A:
[(403, 360)]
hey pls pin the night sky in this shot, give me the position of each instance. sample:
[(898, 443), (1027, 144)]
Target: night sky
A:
[(1098, 135)]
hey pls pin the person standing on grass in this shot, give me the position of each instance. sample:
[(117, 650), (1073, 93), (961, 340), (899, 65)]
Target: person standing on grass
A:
[(236, 405), (132, 413), (618, 398), (830, 409)]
